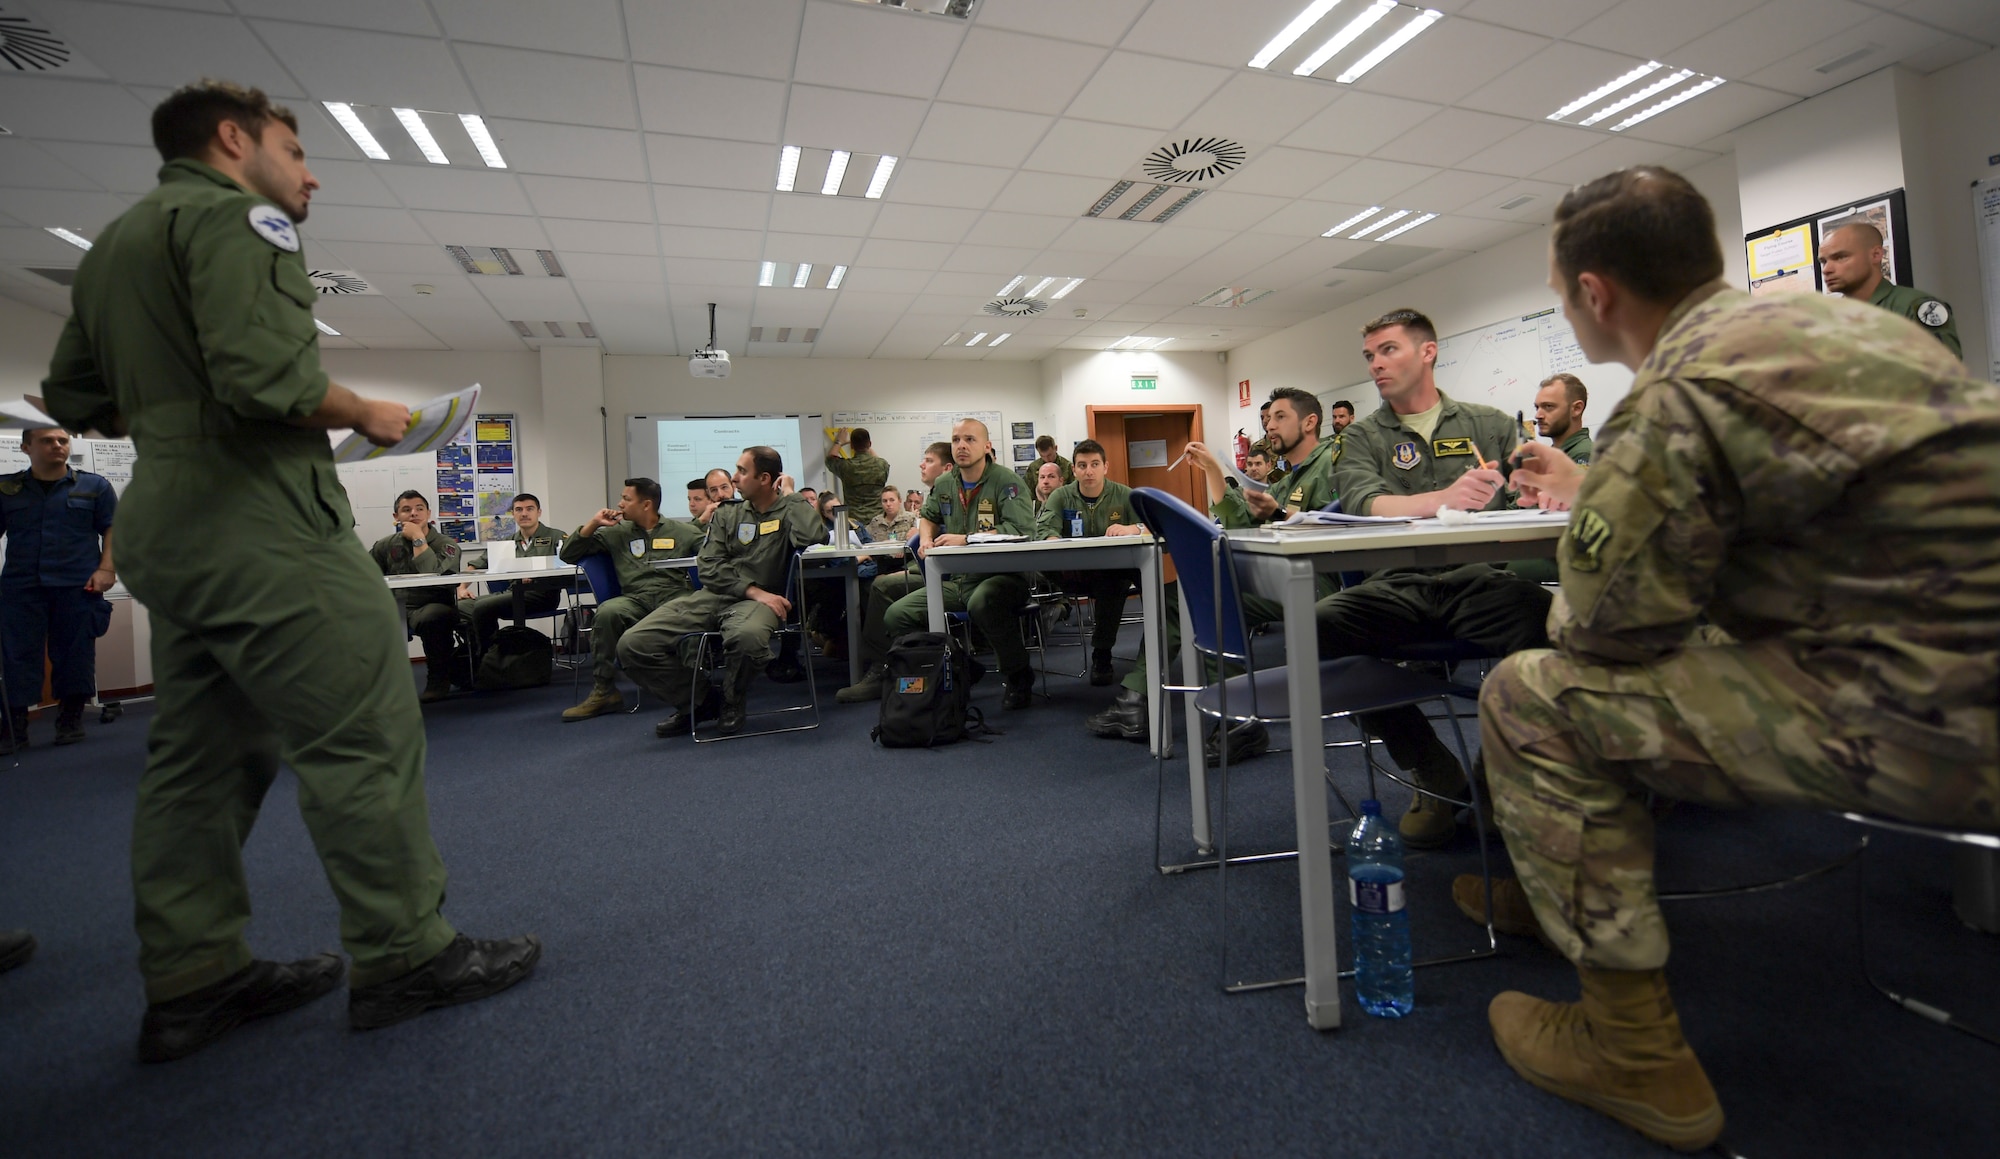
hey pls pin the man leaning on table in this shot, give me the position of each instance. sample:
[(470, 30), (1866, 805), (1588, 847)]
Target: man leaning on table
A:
[(635, 538), (417, 547), (1820, 481), (532, 538), (1089, 508)]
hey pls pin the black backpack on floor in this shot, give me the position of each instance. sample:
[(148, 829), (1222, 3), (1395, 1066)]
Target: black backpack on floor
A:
[(927, 694), (519, 658)]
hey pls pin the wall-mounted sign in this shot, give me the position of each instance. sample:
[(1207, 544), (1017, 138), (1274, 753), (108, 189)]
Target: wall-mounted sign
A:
[(1145, 382), (1243, 393)]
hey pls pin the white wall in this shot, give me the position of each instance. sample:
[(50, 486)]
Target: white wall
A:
[(1075, 379), (1842, 145), (27, 340), (1960, 131)]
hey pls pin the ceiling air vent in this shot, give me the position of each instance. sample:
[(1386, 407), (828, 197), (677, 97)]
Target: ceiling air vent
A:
[(60, 275), (1015, 307), (1516, 203), (30, 49), (496, 261), (795, 334), (1194, 159), (521, 328), (340, 282), (1142, 201), (960, 9)]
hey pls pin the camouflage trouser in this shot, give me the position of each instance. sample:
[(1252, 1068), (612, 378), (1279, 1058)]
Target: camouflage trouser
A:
[(1570, 748)]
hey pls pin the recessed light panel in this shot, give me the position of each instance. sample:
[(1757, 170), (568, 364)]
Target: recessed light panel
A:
[(1635, 96), (1354, 35), (833, 172)]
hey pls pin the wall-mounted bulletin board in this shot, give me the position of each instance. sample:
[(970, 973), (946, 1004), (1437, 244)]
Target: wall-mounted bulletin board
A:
[(1785, 258)]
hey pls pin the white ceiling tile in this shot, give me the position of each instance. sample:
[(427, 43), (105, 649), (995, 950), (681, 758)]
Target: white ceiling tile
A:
[(813, 213), (546, 86), (1651, 30), (606, 292), (1373, 182), (590, 27), (1256, 106), (872, 304), (1098, 22), (904, 255), (1359, 123), (1091, 149), (1450, 137), (1717, 111), (604, 237), (1224, 209), (978, 136), (1304, 219), (963, 285), (51, 109), (1027, 73), (349, 183), (1050, 194), (471, 229), (1548, 17), (1450, 59), (856, 47), (360, 223), (1308, 263), (154, 46), (711, 208), (1551, 79), (571, 151), (1531, 150), (920, 182), (397, 261), (1017, 229), (680, 241), (1890, 37), (1181, 241), (32, 245), (862, 279), (587, 197), (62, 165), (953, 305), (1539, 211), (1131, 89), (1283, 172), (749, 37), (1766, 36), (857, 122), (444, 187), (923, 222), (1944, 54), (815, 248), (991, 259), (1452, 189), (1231, 261), (1978, 19), (1465, 233), (531, 298), (375, 68), (1225, 34), (1607, 157), (709, 104), (374, 15), (712, 276), (1096, 236), (711, 163)]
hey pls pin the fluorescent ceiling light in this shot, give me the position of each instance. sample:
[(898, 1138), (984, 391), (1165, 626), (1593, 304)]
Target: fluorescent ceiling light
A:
[(421, 134), (879, 182), (799, 279), (343, 115), (325, 329), (1407, 226), (788, 167), (1040, 286), (1300, 25), (1355, 220), (836, 171), (1686, 94), (76, 239), (1137, 341), (1344, 37), (767, 273), (1378, 223), (489, 151), (999, 340), (1072, 284), (1384, 50), (1659, 86), (977, 338), (955, 336), (1601, 91), (833, 282), (1009, 287)]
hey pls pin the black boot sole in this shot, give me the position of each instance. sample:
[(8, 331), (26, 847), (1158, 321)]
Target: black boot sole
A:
[(152, 1051), (409, 1006)]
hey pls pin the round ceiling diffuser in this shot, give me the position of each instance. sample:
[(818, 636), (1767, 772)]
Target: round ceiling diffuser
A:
[(28, 48), (337, 282), (1195, 159), (1015, 307)]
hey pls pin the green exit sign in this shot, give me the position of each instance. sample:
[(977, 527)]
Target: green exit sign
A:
[(1145, 382)]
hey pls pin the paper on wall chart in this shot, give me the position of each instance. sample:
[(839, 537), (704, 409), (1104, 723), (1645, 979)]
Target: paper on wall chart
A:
[(432, 425), (23, 415)]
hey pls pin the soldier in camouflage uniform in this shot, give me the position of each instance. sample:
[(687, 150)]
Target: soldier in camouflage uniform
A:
[(1824, 485), (1850, 262), (862, 477)]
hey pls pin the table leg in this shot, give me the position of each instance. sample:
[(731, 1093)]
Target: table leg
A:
[(853, 578), (1204, 838), (519, 590), (1149, 607), (1316, 914), (934, 595)]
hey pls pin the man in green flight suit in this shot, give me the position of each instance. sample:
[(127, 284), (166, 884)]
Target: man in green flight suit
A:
[(1045, 452), (1091, 507), (532, 539), (1291, 421), (1820, 483), (1850, 263), (744, 564), (1559, 406), (417, 547), (634, 536), (276, 641), (862, 476), (892, 586)]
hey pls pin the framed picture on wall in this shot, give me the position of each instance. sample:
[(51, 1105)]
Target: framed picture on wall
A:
[(1785, 257)]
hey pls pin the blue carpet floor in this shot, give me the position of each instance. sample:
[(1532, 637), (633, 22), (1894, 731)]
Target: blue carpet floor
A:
[(805, 945)]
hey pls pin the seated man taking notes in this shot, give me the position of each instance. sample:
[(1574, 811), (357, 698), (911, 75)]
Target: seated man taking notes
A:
[(635, 537), (532, 538), (417, 547), (1090, 507)]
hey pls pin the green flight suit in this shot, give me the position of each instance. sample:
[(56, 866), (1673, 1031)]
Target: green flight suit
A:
[(642, 588), (274, 638), (539, 597), (998, 502), (1578, 447), (1034, 467), (1069, 514), (430, 612), (1480, 604), (861, 481), (1928, 310), (744, 547)]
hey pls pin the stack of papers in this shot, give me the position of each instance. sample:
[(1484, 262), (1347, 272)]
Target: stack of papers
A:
[(1336, 519), (432, 425), (23, 415), (1529, 515), (994, 537)]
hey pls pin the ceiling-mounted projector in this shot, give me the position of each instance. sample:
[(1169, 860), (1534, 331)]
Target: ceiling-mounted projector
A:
[(709, 362)]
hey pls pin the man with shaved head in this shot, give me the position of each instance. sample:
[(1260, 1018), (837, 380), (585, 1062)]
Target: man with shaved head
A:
[(1850, 262)]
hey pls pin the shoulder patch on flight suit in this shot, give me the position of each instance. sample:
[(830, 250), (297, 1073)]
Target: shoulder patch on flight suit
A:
[(10, 486), (1933, 313), (637, 547), (745, 532), (273, 226), (1405, 456), (1443, 447), (1588, 533)]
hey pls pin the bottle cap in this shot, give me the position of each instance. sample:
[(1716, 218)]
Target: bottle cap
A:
[(1371, 808)]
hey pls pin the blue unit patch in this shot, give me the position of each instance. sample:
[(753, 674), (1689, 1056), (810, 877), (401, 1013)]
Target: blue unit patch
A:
[(1405, 456)]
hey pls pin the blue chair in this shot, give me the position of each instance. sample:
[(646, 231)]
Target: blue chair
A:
[(1349, 687), (601, 578), (708, 655)]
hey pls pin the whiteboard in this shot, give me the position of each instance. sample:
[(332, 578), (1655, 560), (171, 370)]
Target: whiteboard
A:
[(674, 449), (900, 436), (372, 488), (1503, 365)]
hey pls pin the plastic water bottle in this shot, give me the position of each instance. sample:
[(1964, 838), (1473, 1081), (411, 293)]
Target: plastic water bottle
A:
[(1381, 926)]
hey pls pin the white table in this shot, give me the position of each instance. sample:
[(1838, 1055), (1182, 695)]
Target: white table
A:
[(1100, 553), (847, 562), (1281, 565)]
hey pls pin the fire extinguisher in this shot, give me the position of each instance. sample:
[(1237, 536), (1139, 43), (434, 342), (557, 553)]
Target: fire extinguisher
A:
[(1242, 450)]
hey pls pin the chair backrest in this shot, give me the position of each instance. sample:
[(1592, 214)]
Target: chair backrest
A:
[(602, 576), (1201, 559)]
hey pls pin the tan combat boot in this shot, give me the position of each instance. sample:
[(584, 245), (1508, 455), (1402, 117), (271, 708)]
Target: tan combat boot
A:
[(1619, 1051), (603, 698), (1511, 915), (1431, 823)]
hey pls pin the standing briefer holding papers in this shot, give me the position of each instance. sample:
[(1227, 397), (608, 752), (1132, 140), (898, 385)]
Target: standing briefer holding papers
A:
[(273, 636)]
